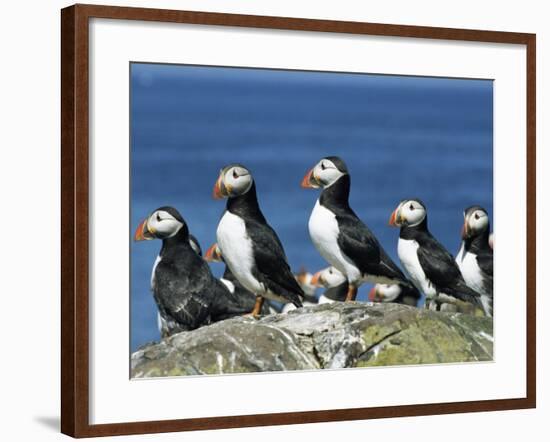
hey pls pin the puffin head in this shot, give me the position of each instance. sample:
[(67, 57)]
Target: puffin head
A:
[(213, 254), (234, 180), (328, 278), (325, 173), (384, 292), (476, 221), (163, 223), (408, 213)]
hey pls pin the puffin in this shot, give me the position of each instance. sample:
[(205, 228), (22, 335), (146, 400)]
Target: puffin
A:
[(163, 326), (395, 293), (334, 282), (187, 295), (250, 247), (340, 236), (431, 268), (475, 258), (246, 298)]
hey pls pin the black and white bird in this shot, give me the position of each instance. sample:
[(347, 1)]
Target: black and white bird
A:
[(245, 298), (340, 236), (163, 326), (396, 293), (429, 265), (249, 245), (187, 295), (475, 258), (334, 282)]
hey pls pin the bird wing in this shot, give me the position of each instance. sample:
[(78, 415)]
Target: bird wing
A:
[(485, 263), (442, 271), (361, 246), (271, 266), (182, 298), (194, 297), (226, 304)]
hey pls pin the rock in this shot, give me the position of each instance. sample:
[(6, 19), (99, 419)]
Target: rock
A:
[(324, 336)]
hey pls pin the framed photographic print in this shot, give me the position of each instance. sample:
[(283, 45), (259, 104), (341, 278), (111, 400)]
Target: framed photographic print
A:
[(255, 207)]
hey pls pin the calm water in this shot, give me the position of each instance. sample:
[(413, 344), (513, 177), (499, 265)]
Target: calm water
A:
[(400, 136)]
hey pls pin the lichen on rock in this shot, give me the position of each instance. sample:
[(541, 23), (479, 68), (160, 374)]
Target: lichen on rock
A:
[(326, 336)]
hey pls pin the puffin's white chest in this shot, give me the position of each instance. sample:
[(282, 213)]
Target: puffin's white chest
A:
[(323, 229), (467, 263), (236, 248), (230, 286), (153, 272), (324, 300), (407, 251)]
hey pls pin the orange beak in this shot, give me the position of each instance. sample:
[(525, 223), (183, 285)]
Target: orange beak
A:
[(217, 192), (142, 233), (393, 218), (309, 181), (315, 279), (213, 254), (372, 294)]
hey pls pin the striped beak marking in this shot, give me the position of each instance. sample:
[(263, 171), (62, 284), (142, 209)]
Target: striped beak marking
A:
[(213, 254), (143, 232), (317, 280), (395, 219), (218, 192), (310, 181), (221, 190)]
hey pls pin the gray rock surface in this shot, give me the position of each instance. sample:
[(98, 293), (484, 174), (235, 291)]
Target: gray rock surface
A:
[(325, 336)]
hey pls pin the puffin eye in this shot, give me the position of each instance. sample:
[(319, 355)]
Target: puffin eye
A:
[(235, 175), (158, 218), (476, 216), (411, 207), (323, 167)]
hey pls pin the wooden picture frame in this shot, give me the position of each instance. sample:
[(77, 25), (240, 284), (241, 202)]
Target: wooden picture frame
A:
[(75, 219)]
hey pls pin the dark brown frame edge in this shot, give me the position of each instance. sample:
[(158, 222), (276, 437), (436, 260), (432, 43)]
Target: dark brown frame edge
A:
[(74, 219)]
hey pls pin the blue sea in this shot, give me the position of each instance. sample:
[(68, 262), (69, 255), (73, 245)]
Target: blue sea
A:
[(401, 137)]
